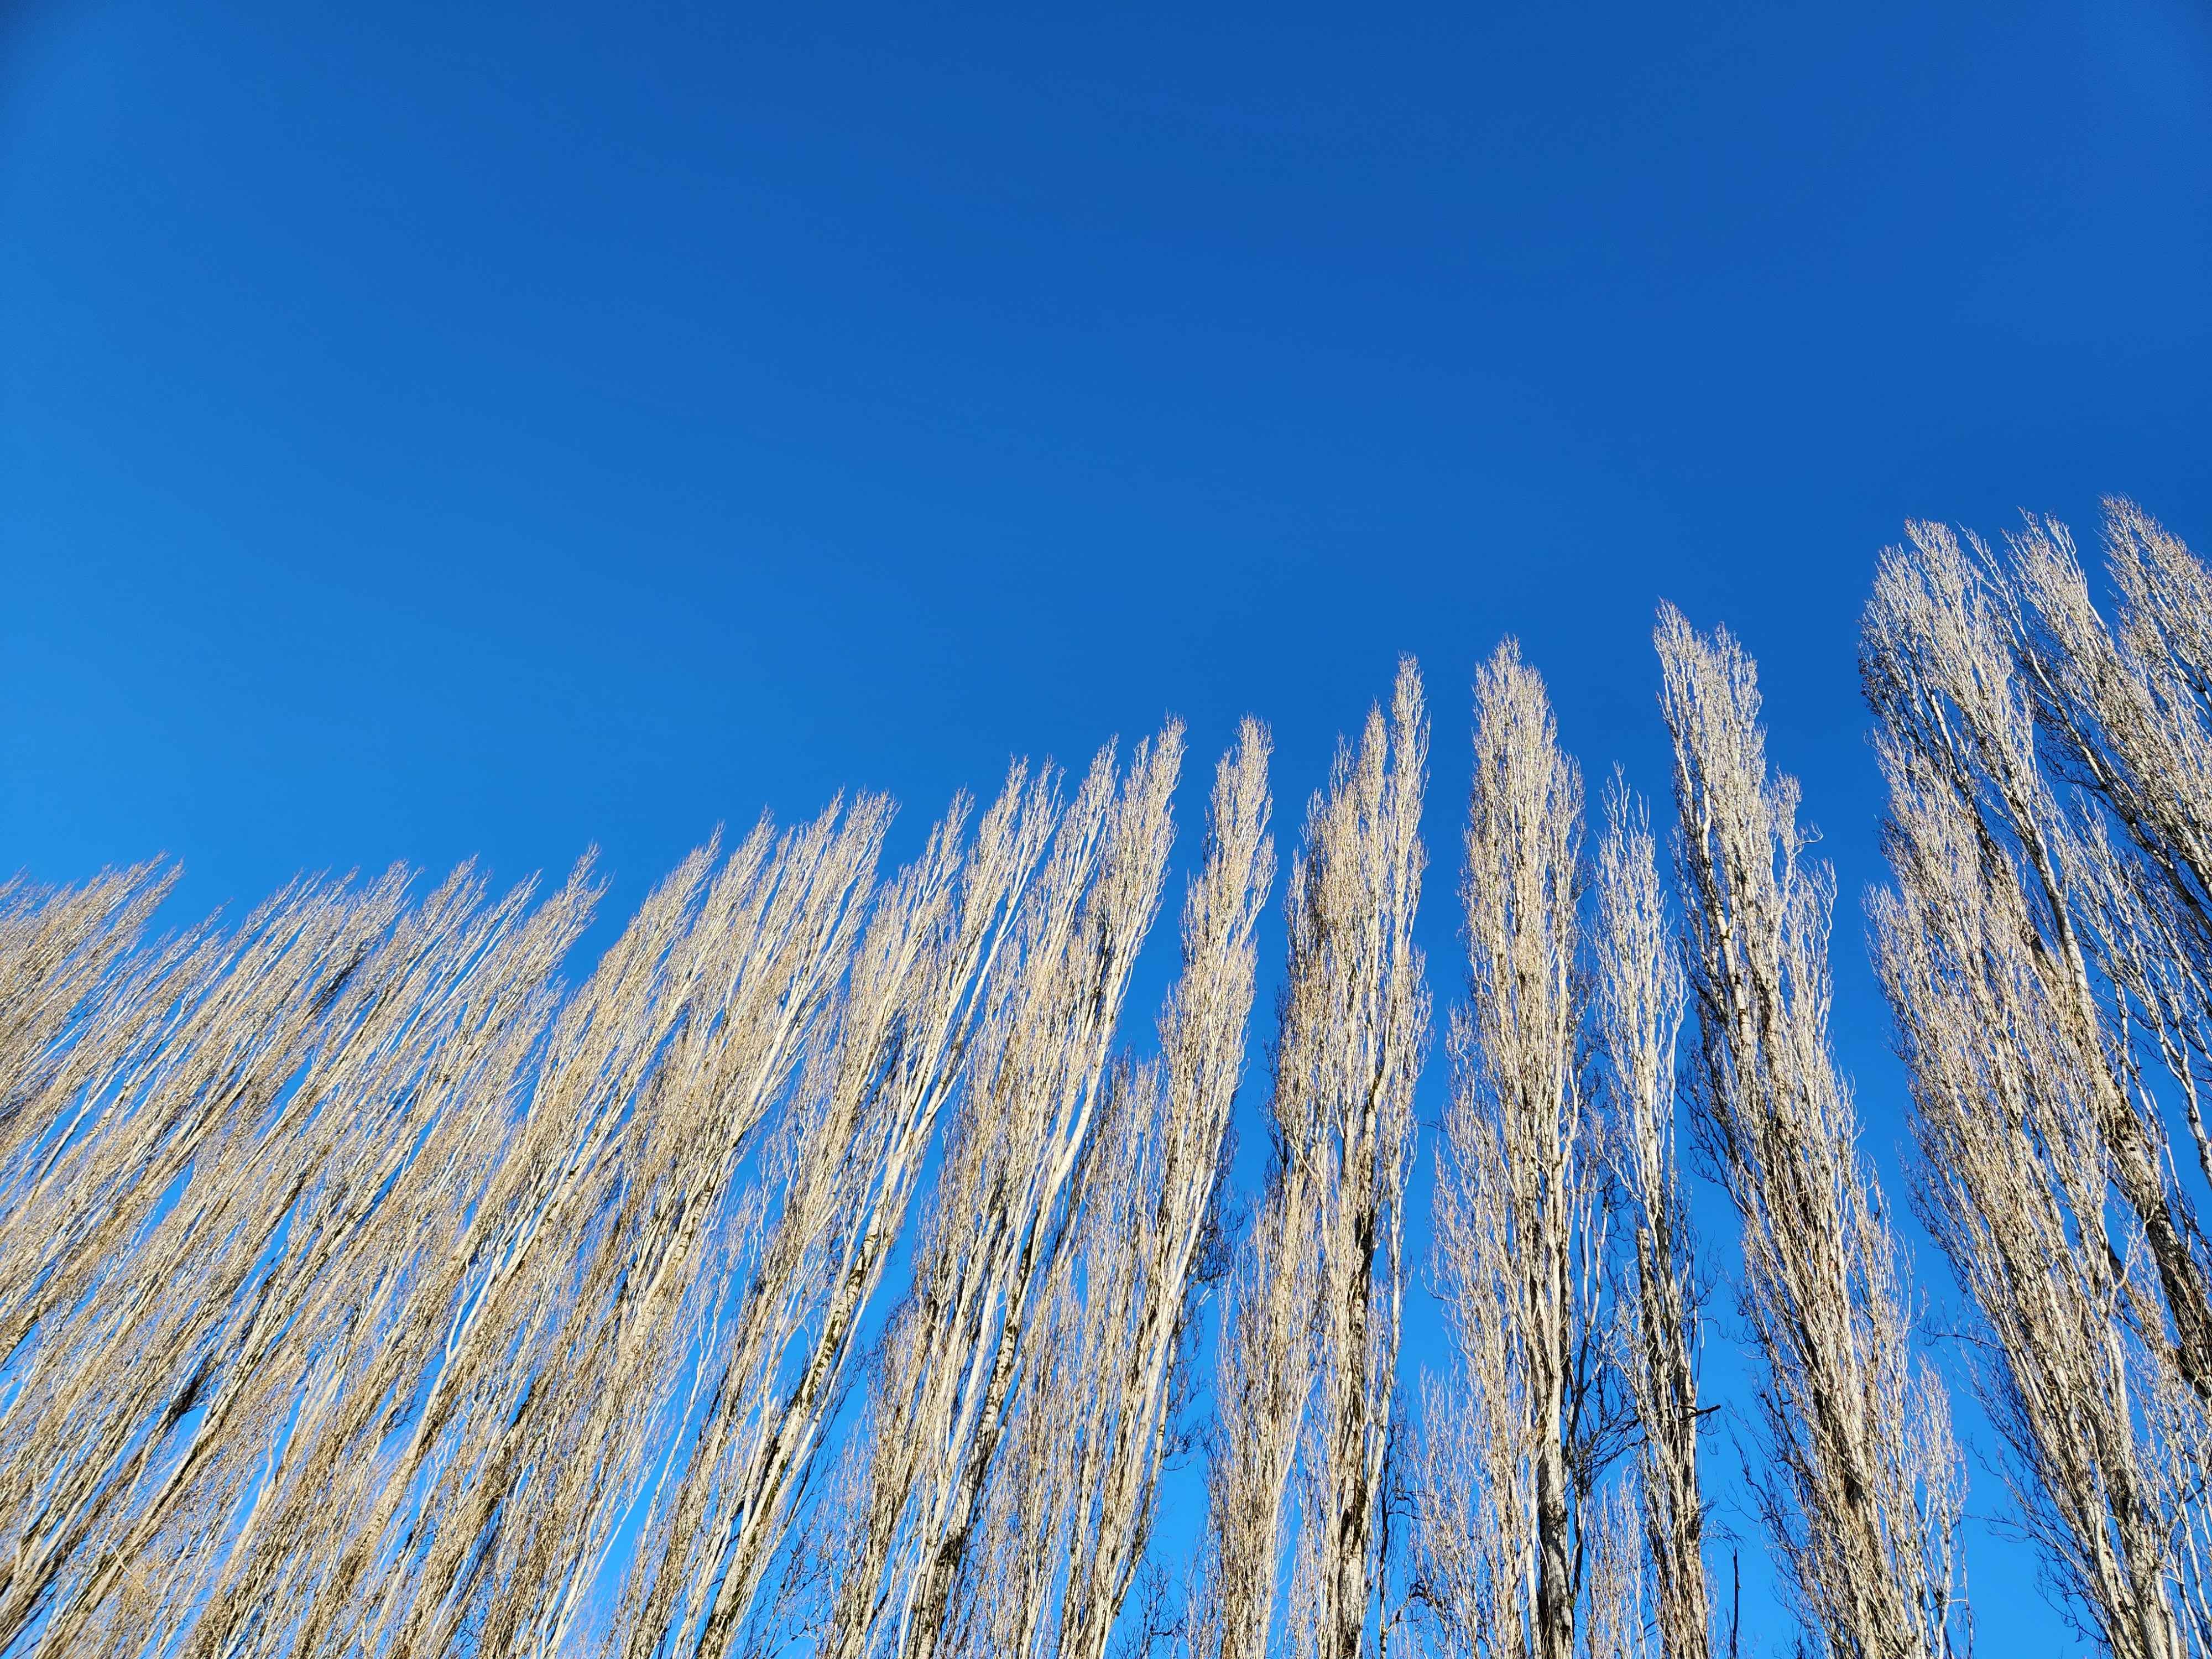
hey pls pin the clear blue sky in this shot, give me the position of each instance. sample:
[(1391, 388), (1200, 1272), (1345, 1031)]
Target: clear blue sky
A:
[(428, 430)]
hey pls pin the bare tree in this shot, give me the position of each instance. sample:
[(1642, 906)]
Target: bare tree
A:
[(332, 1550), (1615, 1623), (2043, 957), (62, 965), (184, 1370), (566, 1451), (129, 1340), (1310, 1356), (2015, 1184), (365, 1291), (1068, 1511), (847, 1167), (1007, 1193), (1638, 997), (1939, 669), (1153, 1223), (1264, 1379), (2125, 704), (570, 1267), (1354, 1035), (1563, 1083), (1862, 1490), (1521, 1223)]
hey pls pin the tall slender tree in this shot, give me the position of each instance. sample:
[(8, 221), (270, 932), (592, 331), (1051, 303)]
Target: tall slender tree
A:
[(365, 1290), (1519, 1435), (1007, 1192), (1639, 1000), (2043, 957), (1862, 1489), (1308, 1368), (1560, 1130), (1068, 1511), (847, 1166)]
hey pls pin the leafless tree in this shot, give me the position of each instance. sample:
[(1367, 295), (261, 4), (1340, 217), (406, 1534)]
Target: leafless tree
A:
[(1563, 1089), (1152, 1221), (1520, 1221), (1615, 1623), (2015, 1183), (1007, 1190), (544, 1466), (62, 965), (365, 1291), (176, 1385), (2045, 961), (1264, 1379), (1940, 669), (847, 1167), (1354, 1035), (1308, 1369), (1638, 998), (1068, 1511), (1862, 1489)]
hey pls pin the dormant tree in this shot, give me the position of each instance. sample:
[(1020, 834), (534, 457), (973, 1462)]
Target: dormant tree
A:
[(847, 1166), (543, 1439), (1306, 1392), (1069, 1512), (1939, 669), (558, 1325), (1616, 1621), (1563, 1087), (1154, 1222), (1008, 1189), (2126, 705), (1354, 1035), (573, 1454), (177, 1390), (2125, 715), (61, 956), (155, 1334), (1638, 997), (338, 1551), (1264, 1377), (1517, 1438), (364, 1290), (2014, 1192), (1862, 1489), (2040, 939)]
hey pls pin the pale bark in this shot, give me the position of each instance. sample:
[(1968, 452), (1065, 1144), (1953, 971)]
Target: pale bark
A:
[(2044, 950), (848, 1169), (1520, 1228), (1306, 1393), (1939, 668), (1562, 1078), (1153, 1223), (1639, 997), (1862, 1490), (1007, 1193)]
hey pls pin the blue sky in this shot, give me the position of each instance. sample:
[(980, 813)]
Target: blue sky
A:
[(437, 430)]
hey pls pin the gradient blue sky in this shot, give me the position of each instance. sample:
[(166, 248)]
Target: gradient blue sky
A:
[(435, 430)]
